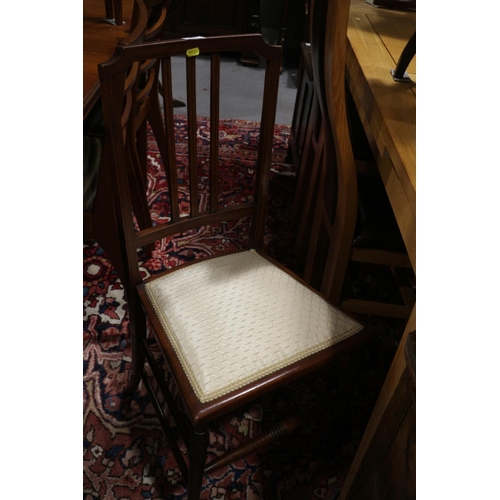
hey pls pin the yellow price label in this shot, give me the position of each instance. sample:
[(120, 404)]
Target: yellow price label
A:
[(193, 52)]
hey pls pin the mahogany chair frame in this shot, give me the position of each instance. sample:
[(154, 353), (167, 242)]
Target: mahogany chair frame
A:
[(334, 218), (120, 82), (326, 202), (100, 224)]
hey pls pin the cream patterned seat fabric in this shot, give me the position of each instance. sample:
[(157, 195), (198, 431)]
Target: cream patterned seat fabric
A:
[(237, 318)]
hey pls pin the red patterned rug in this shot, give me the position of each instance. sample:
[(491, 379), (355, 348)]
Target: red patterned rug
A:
[(125, 453)]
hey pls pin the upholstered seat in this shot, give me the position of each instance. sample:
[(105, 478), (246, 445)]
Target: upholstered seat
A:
[(237, 318)]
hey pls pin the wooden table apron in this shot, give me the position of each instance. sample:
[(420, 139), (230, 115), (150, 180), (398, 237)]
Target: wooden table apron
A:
[(99, 42), (376, 38)]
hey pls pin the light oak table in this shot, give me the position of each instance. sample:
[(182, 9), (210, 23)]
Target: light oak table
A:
[(384, 465), (99, 41), (376, 38)]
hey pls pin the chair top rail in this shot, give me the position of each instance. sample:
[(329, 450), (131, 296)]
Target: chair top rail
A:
[(125, 55)]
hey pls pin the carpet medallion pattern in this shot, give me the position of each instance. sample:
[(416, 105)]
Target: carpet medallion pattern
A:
[(125, 455)]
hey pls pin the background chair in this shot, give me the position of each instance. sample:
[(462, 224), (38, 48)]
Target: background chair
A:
[(230, 327), (341, 209), (99, 222)]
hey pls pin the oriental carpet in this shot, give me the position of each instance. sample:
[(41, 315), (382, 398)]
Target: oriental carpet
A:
[(125, 455)]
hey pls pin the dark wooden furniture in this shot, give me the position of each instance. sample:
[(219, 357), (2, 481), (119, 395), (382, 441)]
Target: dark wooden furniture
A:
[(99, 42), (210, 17), (335, 200), (385, 464), (302, 111), (325, 200), (280, 22), (307, 145), (230, 327), (215, 17), (394, 4), (99, 221)]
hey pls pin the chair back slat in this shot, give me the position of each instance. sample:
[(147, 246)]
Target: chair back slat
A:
[(136, 151), (269, 105), (214, 131), (192, 136), (129, 83), (169, 159)]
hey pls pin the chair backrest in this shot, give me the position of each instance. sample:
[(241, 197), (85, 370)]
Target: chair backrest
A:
[(336, 206), (130, 96)]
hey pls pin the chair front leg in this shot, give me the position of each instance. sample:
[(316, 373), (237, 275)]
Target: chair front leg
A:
[(197, 459), (137, 328)]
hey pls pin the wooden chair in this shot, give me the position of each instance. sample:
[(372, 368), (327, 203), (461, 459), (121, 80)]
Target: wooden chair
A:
[(342, 211), (230, 327), (99, 222)]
